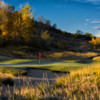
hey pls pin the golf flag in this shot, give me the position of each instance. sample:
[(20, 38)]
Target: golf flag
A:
[(39, 55)]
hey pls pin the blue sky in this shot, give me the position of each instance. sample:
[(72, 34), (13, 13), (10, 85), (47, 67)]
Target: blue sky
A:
[(69, 15)]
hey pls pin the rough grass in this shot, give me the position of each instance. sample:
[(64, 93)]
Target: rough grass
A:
[(6, 79), (72, 55), (12, 71), (29, 52), (82, 84), (96, 58)]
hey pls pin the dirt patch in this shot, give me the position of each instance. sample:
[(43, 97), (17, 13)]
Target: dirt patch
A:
[(37, 73), (35, 76)]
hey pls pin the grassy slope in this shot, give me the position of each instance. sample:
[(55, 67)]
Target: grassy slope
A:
[(30, 52)]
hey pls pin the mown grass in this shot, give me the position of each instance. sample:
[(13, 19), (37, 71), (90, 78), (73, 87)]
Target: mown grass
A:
[(53, 65), (46, 64), (15, 61)]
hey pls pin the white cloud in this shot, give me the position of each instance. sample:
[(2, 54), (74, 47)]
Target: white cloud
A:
[(91, 21), (96, 2), (22, 5), (95, 22), (96, 27), (87, 20), (2, 3)]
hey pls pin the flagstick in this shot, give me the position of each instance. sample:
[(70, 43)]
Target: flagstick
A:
[(39, 57), (39, 61)]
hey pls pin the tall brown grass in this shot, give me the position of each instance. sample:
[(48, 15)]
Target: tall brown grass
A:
[(83, 84), (72, 55)]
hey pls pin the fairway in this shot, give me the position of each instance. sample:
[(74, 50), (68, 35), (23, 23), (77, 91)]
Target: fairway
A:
[(53, 65)]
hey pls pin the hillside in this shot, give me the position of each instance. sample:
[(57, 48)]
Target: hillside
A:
[(20, 31), (58, 40)]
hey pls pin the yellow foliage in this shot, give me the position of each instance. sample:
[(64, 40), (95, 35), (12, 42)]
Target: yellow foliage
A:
[(25, 17), (26, 12), (93, 41), (45, 35), (4, 33), (63, 32)]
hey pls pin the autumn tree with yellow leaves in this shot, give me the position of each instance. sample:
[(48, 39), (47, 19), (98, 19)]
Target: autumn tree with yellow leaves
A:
[(16, 25), (95, 42), (27, 23)]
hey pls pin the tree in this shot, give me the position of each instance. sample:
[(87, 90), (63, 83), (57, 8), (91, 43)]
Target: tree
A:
[(0, 32), (95, 42), (89, 35), (27, 30), (41, 19), (48, 22), (54, 26), (26, 24), (11, 8), (26, 12), (79, 32), (3, 17)]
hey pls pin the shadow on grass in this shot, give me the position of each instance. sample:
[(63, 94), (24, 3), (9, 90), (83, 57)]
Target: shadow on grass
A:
[(85, 61), (5, 59), (42, 62)]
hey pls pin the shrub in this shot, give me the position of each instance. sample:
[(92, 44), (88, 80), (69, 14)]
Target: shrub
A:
[(95, 42), (45, 35), (8, 81)]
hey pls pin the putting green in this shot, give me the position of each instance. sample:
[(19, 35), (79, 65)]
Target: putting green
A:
[(54, 65)]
